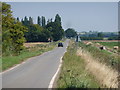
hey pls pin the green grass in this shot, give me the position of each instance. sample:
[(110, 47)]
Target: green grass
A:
[(73, 73), (109, 44), (9, 61), (102, 55)]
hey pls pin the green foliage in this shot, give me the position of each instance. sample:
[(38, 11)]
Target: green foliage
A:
[(15, 32), (57, 19), (17, 37), (39, 21), (6, 9), (12, 31), (30, 20), (73, 73), (37, 33), (56, 30), (43, 21), (41, 32), (18, 19), (70, 33)]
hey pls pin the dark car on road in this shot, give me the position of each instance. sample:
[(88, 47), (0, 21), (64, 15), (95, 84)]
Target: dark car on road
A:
[(60, 45)]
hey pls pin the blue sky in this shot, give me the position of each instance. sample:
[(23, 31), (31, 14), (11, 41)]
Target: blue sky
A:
[(82, 16)]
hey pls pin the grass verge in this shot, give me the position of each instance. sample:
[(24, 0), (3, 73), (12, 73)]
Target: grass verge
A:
[(102, 55), (10, 61), (73, 73)]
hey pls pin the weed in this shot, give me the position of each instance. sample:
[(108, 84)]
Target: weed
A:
[(73, 73)]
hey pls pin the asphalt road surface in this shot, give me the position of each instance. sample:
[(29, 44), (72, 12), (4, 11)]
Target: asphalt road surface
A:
[(36, 72)]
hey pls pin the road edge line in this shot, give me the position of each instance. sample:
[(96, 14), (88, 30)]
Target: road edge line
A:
[(55, 75)]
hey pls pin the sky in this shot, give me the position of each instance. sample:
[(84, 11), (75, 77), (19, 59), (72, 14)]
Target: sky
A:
[(82, 16)]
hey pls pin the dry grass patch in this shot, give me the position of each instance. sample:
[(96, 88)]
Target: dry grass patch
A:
[(73, 73), (107, 76), (33, 44)]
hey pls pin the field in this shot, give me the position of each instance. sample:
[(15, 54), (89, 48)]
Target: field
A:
[(32, 44), (103, 40), (109, 44)]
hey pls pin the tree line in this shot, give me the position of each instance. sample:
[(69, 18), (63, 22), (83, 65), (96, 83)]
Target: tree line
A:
[(43, 31), (15, 32)]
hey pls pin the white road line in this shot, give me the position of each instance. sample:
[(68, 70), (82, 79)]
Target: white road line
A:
[(55, 75)]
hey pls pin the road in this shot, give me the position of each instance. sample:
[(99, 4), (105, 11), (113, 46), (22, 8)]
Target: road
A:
[(36, 72)]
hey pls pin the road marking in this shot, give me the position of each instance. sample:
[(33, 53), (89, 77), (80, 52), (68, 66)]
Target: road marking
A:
[(55, 75)]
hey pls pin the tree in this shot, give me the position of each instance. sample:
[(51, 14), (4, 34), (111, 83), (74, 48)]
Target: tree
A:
[(12, 31), (48, 21), (7, 22), (56, 30), (70, 33), (25, 21), (57, 19), (39, 21), (30, 20), (43, 21), (18, 19), (100, 34), (17, 37)]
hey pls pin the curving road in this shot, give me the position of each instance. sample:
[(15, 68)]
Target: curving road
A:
[(36, 72)]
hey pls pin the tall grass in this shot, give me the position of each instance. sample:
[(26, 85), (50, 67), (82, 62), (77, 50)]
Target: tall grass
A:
[(73, 73), (107, 76), (102, 55)]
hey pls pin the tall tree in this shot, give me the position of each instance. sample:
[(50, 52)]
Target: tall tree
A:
[(51, 20), (58, 19), (18, 19), (39, 21), (56, 29), (7, 21), (43, 21), (13, 33), (30, 21), (48, 21), (26, 21)]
